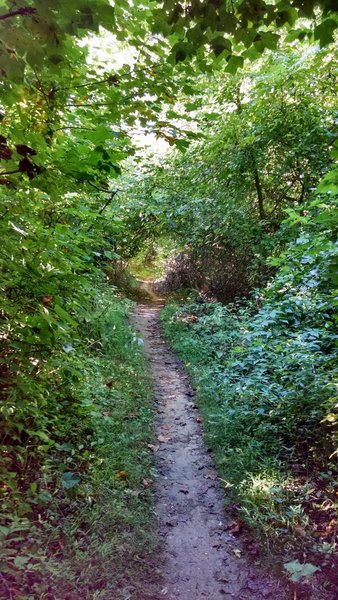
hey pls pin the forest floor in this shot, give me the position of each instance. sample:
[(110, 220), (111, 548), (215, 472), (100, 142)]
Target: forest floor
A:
[(202, 559)]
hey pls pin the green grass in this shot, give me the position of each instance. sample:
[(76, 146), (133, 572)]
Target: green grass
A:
[(93, 538)]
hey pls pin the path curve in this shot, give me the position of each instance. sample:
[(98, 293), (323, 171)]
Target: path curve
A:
[(202, 561)]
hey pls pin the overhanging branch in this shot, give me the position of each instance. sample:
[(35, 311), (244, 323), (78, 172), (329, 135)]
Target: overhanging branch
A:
[(26, 10)]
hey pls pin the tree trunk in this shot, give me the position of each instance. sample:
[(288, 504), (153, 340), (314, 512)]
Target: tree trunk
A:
[(259, 193)]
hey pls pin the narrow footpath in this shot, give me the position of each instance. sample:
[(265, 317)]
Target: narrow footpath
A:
[(202, 560)]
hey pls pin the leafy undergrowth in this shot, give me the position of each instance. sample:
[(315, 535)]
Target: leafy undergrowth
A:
[(77, 514), (265, 376), (149, 263)]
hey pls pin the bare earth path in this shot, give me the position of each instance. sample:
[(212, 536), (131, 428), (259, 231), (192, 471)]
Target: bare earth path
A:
[(202, 560)]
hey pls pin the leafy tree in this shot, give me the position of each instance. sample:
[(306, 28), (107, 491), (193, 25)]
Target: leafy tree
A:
[(265, 138), (241, 29)]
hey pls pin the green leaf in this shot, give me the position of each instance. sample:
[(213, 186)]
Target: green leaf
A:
[(21, 561), (298, 570), (324, 32), (234, 63), (70, 480), (64, 315), (106, 14)]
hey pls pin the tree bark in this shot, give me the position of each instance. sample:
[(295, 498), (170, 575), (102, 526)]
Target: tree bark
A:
[(27, 10), (259, 193)]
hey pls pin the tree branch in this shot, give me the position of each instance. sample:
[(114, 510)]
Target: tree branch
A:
[(74, 127), (259, 191), (28, 10), (97, 188), (108, 201), (110, 198), (9, 172)]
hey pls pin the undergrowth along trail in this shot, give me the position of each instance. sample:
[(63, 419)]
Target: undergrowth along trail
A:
[(251, 391), (89, 533)]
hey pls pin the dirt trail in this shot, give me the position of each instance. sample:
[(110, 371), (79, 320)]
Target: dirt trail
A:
[(202, 560)]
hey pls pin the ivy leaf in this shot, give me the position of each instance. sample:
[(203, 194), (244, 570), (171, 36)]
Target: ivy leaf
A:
[(70, 480), (298, 570)]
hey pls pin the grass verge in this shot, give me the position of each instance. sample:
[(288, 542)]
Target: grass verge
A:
[(83, 527)]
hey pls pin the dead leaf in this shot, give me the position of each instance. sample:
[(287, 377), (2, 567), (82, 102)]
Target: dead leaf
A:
[(219, 576), (235, 527), (146, 482), (300, 531), (47, 300), (121, 474), (153, 447), (198, 419), (131, 416), (164, 438), (211, 474), (171, 522), (253, 548)]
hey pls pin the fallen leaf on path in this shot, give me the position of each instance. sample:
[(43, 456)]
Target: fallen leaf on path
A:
[(198, 419), (164, 438), (211, 474), (153, 447), (235, 527), (166, 426), (219, 576), (171, 523)]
